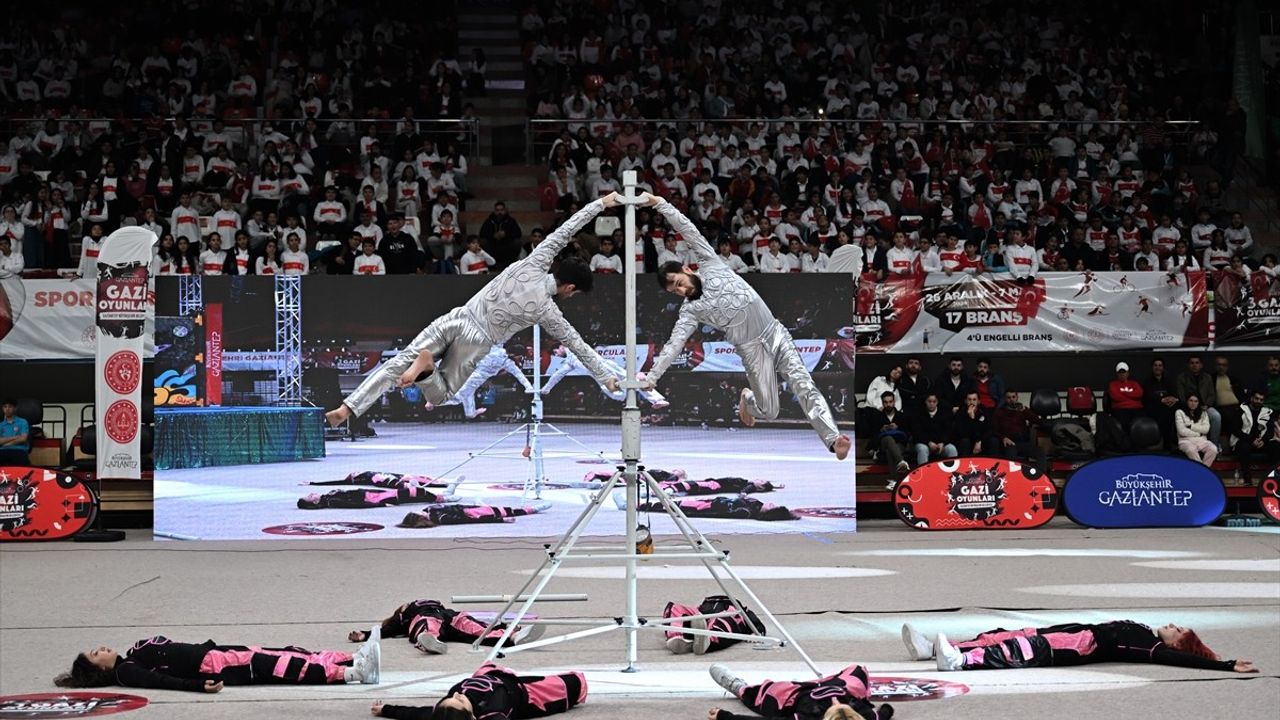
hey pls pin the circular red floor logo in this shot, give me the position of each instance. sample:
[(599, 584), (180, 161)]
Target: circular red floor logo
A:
[(122, 421), (314, 529), (837, 513), (122, 372), (898, 689), (38, 706)]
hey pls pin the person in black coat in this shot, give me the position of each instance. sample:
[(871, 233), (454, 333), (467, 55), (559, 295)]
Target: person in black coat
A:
[(344, 262), (953, 385), (892, 435), (914, 386), (971, 428), (501, 235), (931, 431), (399, 251), (1160, 399)]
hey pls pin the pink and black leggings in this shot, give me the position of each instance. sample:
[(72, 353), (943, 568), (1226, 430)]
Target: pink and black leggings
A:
[(239, 665), (468, 514), (1001, 649), (730, 623), (782, 698), (442, 623)]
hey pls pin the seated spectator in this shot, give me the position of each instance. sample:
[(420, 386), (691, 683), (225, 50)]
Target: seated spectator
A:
[(294, 260), (970, 428), (953, 385), (890, 432), (735, 263), (990, 386), (1013, 425), (1194, 381), (399, 250), (475, 261), (14, 435), (606, 260), (501, 235), (773, 261), (931, 432), (1124, 398), (1229, 394), (368, 263), (1192, 423), (1250, 444)]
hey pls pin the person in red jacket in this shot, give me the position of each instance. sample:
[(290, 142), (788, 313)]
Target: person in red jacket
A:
[(1124, 396)]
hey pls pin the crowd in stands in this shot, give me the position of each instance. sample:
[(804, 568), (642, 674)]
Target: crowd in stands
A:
[(271, 137), (1047, 138), (1201, 411)]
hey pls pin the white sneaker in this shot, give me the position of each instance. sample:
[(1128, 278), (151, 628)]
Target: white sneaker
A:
[(620, 499), (680, 645), (430, 644), (949, 658), (891, 485), (541, 506), (903, 468), (661, 404), (727, 680), (528, 633), (375, 638), (700, 642), (368, 668), (918, 646)]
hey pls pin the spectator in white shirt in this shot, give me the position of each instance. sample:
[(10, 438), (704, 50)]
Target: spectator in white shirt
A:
[(1202, 231), (1239, 237), (606, 261), (814, 260), (773, 261), (444, 233), (1165, 234), (185, 221), (268, 264), (475, 261), (735, 263), (368, 262), (330, 216), (294, 261), (213, 260), (669, 253), (11, 262), (901, 260), (1148, 250), (1020, 258)]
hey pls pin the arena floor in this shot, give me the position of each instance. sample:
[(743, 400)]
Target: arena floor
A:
[(237, 502), (844, 597)]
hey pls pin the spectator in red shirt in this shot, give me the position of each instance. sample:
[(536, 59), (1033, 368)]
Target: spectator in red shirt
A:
[(1124, 396)]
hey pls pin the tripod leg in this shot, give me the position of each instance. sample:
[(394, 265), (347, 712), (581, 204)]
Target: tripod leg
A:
[(697, 541), (554, 560)]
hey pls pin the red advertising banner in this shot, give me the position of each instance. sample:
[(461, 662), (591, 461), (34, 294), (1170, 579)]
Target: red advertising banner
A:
[(1246, 307), (213, 354), (1055, 312)]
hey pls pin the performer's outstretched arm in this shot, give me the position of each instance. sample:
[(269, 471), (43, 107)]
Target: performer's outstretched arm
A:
[(692, 237), (554, 323), (685, 325), (547, 250)]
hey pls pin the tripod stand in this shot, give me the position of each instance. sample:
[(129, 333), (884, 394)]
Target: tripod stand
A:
[(534, 431), (632, 476)]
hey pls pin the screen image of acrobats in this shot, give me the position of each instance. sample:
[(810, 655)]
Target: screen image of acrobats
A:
[(496, 693), (161, 663), (1121, 641), (841, 696), (715, 295), (445, 353), (429, 625), (497, 360)]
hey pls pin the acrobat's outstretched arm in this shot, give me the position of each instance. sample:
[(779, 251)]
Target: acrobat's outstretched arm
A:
[(680, 334), (693, 239), (551, 246)]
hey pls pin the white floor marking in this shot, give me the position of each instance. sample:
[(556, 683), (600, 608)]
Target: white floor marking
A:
[(1025, 552), (1264, 529), (697, 572), (1266, 565), (1269, 591)]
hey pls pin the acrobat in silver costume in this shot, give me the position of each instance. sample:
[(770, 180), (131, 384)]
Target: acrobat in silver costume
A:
[(495, 362), (570, 363), (521, 296), (732, 306)]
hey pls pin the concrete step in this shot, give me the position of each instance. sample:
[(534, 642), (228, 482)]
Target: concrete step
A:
[(505, 51), (527, 219), (511, 176), (508, 34), (498, 102), (496, 66)]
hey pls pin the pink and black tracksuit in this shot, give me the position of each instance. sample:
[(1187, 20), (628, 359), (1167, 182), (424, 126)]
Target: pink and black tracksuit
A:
[(810, 700), (497, 693), (1076, 644), (728, 508), (676, 485), (709, 606), (159, 662), (387, 489), (468, 514), (444, 624)]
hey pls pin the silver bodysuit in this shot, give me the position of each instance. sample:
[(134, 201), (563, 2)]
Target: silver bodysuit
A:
[(732, 306), (518, 298)]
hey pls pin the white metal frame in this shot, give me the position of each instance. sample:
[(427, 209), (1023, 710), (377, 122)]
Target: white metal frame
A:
[(288, 297), (631, 475)]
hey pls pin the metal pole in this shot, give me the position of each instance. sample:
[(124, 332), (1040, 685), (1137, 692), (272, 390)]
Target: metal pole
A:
[(536, 440), (631, 419)]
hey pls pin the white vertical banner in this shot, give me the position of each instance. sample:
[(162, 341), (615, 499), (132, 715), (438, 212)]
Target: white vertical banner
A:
[(121, 313)]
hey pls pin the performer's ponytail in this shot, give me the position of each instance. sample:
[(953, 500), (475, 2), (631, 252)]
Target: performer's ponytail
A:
[(84, 674)]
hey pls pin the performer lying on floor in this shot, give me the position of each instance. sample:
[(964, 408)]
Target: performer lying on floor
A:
[(678, 485), (496, 693), (429, 625), (161, 663), (391, 490), (441, 358), (842, 696), (728, 508), (715, 295), (570, 363), (681, 643), (1072, 644), (433, 515), (373, 478)]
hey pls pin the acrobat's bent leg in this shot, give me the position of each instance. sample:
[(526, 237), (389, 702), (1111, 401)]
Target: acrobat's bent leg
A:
[(814, 405)]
